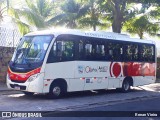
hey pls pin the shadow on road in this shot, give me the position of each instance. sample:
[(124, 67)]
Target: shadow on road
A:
[(81, 94)]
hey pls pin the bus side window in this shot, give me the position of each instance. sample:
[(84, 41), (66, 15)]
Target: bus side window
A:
[(88, 51), (140, 52), (128, 53), (135, 52), (52, 54), (143, 53), (153, 53), (109, 51), (81, 50), (68, 50), (114, 51), (118, 51), (148, 53), (61, 51), (100, 51)]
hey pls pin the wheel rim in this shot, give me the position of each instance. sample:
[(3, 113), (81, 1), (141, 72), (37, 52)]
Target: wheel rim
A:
[(126, 86), (56, 91)]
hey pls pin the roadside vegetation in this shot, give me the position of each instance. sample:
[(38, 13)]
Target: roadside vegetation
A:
[(137, 17)]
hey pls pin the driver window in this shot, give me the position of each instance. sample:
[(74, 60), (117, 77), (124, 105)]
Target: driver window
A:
[(62, 50)]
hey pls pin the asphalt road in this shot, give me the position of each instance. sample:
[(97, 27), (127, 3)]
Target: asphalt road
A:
[(149, 104), (145, 106), (145, 98)]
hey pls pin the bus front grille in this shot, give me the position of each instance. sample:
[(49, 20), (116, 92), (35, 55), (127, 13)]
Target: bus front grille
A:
[(21, 86), (17, 81)]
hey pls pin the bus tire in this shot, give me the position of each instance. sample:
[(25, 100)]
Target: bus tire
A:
[(28, 93), (56, 91), (126, 86)]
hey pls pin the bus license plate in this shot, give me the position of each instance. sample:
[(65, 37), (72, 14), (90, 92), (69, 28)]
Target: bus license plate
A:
[(17, 87)]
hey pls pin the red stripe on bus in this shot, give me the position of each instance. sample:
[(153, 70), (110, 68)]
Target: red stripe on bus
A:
[(22, 76)]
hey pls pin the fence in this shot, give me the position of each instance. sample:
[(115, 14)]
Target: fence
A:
[(9, 39)]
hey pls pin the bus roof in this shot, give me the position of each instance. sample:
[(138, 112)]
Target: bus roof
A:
[(95, 34)]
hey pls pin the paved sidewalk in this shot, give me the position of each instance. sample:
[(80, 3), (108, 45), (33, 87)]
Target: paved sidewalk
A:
[(3, 87), (151, 87)]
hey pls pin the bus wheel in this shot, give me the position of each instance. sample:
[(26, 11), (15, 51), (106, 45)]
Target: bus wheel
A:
[(28, 93), (126, 86), (56, 91)]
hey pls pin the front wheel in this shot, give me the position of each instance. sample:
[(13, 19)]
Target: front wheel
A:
[(126, 86), (56, 91)]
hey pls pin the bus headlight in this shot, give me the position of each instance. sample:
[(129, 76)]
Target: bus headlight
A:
[(33, 77)]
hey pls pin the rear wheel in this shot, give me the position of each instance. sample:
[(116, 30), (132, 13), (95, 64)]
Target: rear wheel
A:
[(126, 86), (56, 91)]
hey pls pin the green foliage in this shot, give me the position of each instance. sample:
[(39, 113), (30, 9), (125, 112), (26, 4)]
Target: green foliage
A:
[(71, 12), (155, 13), (93, 16), (84, 14), (118, 11), (36, 14), (4, 4), (141, 25)]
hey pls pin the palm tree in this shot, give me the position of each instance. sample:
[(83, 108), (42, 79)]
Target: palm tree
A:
[(72, 11), (35, 14), (4, 4), (141, 25), (93, 17), (120, 12), (155, 13)]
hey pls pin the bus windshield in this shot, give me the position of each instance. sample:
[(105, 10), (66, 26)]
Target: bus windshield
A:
[(32, 49)]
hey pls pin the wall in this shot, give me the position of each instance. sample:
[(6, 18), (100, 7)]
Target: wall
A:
[(5, 56)]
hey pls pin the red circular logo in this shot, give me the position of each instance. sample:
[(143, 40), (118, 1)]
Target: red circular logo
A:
[(115, 69)]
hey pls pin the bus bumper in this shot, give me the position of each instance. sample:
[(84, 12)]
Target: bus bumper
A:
[(35, 86)]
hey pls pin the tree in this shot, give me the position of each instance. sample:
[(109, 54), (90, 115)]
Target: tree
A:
[(36, 14), (120, 11), (155, 13), (93, 16), (145, 24), (72, 11), (4, 4), (141, 25)]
